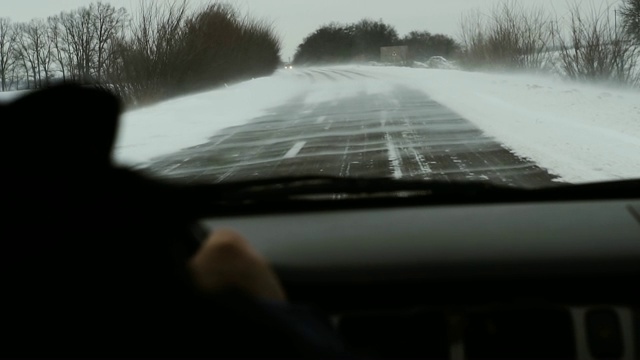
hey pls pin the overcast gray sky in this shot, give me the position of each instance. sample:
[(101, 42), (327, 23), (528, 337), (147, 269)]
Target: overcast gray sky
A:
[(295, 19)]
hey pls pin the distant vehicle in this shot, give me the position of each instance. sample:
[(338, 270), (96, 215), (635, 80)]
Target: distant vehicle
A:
[(288, 66), (438, 62)]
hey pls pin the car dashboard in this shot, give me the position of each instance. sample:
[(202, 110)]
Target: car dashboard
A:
[(507, 280)]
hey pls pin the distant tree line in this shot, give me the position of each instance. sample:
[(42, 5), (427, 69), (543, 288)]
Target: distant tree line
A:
[(161, 50), (361, 41)]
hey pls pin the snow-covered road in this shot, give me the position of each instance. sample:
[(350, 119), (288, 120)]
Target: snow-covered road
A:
[(399, 122), (582, 133)]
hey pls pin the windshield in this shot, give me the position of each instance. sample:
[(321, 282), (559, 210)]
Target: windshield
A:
[(517, 93)]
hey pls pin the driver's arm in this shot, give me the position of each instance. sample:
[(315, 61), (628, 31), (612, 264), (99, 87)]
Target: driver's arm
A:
[(226, 261)]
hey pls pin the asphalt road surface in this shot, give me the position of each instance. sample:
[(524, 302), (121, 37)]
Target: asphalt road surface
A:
[(401, 134)]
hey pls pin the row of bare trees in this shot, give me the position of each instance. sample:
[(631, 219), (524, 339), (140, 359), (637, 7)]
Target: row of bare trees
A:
[(76, 45), (172, 51), (162, 49), (584, 45)]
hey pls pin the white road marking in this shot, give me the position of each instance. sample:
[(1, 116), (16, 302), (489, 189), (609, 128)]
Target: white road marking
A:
[(424, 167), (223, 139), (176, 166), (225, 175), (295, 149), (394, 158)]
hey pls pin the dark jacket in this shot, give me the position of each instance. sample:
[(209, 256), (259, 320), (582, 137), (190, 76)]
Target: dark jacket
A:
[(93, 256)]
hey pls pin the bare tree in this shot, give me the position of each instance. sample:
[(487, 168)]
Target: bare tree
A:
[(151, 53), (80, 43), (7, 52), (60, 49), (108, 25), (24, 56), (510, 36), (595, 49), (472, 37), (84, 40), (630, 11), (40, 47), (33, 52), (67, 45)]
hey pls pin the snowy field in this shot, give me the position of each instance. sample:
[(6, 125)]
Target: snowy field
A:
[(580, 132)]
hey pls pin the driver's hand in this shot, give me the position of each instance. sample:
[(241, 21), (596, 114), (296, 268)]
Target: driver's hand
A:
[(226, 260)]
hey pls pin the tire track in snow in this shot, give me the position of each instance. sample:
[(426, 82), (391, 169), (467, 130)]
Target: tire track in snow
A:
[(325, 75), (366, 76), (309, 76), (341, 74)]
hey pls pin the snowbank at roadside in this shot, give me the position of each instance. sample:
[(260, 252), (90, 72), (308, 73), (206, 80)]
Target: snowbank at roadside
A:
[(187, 121), (7, 96)]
